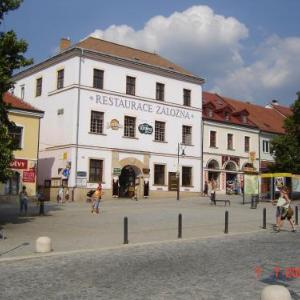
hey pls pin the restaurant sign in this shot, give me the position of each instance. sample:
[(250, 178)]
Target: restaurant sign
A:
[(145, 128)]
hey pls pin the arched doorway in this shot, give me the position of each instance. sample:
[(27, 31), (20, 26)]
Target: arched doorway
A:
[(127, 180), (213, 170), (231, 177)]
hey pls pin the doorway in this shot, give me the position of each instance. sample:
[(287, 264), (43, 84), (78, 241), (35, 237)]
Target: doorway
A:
[(173, 181), (12, 185), (127, 181)]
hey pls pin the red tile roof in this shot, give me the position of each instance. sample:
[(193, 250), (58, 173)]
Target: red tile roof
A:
[(286, 111), (133, 54), (18, 103), (221, 106)]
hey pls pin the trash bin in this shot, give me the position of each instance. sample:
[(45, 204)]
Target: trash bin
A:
[(254, 201)]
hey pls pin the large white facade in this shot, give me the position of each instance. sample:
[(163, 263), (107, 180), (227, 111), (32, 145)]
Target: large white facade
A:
[(66, 141), (227, 165)]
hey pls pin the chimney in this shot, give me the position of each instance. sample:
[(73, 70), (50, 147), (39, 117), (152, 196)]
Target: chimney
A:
[(275, 102), (64, 43)]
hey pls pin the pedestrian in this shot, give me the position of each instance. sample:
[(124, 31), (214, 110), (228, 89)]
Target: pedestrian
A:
[(60, 195), (136, 192), (41, 200), (213, 191), (67, 195), (23, 197), (284, 210), (205, 192), (96, 199)]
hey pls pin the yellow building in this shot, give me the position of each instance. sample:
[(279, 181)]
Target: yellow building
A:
[(25, 163)]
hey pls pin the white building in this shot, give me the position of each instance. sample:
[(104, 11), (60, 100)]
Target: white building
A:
[(115, 115), (230, 143)]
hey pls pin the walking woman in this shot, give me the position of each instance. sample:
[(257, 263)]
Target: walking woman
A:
[(96, 199), (284, 210)]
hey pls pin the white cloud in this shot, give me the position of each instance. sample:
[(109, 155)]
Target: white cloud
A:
[(197, 39), (274, 75), (210, 45)]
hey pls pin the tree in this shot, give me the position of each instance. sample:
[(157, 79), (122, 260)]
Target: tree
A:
[(286, 148), (11, 59)]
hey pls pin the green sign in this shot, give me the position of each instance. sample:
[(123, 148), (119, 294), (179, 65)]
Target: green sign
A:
[(117, 171), (145, 128)]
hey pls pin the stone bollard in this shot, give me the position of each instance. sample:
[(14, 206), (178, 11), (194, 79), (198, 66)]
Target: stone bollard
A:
[(43, 244), (275, 292)]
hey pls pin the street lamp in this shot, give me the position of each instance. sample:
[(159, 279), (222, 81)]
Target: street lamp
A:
[(179, 147)]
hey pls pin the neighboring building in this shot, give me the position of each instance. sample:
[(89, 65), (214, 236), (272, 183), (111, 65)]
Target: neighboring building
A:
[(27, 118), (114, 114), (230, 143)]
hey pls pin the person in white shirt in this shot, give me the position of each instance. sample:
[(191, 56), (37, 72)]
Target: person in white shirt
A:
[(284, 211)]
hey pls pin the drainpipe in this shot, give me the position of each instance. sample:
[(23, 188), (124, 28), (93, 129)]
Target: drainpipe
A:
[(37, 158), (77, 122)]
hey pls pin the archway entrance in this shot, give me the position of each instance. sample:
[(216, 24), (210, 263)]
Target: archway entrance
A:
[(127, 181), (231, 178)]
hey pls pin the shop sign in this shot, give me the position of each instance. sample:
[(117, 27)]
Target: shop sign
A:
[(114, 124), (145, 128), (28, 176), (141, 106), (81, 174), (19, 164), (117, 171), (252, 155)]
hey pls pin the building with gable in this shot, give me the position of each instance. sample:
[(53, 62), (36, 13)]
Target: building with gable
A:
[(26, 134), (115, 115)]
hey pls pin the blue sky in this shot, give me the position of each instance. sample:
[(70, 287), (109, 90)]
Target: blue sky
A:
[(246, 49)]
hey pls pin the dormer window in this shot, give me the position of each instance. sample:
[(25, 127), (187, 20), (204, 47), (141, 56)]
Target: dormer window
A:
[(244, 119), (210, 112), (226, 115)]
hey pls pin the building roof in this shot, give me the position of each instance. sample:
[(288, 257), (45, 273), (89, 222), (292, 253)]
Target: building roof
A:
[(265, 118), (220, 106), (132, 54), (286, 111), (18, 103)]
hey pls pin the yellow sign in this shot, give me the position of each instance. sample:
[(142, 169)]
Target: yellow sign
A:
[(252, 155), (114, 124), (65, 155)]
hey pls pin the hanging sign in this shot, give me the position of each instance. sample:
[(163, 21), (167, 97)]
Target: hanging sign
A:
[(117, 171), (145, 128), (28, 176)]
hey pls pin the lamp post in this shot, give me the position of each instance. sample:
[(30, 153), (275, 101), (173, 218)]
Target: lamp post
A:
[(178, 172)]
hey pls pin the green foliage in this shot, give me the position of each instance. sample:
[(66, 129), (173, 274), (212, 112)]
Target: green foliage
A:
[(286, 148), (11, 58)]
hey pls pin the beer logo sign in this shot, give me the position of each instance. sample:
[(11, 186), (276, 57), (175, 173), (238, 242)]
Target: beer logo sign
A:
[(145, 128)]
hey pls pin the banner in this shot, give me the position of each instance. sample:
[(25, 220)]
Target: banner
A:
[(250, 184)]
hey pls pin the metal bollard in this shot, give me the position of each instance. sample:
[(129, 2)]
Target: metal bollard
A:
[(179, 226), (265, 218), (296, 215), (125, 230), (226, 221)]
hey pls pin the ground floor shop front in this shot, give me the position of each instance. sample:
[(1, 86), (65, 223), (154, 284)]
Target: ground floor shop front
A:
[(123, 174)]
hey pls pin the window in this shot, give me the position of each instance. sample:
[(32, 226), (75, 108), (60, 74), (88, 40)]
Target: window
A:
[(97, 122), (187, 135), (186, 97), (247, 143), (160, 131), (159, 174), (129, 126), (213, 139), (230, 141), (160, 91), (98, 79), (266, 148), (210, 112), (16, 133), (38, 90), (60, 79), (244, 119), (130, 85), (96, 170), (22, 91), (186, 176), (227, 116)]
